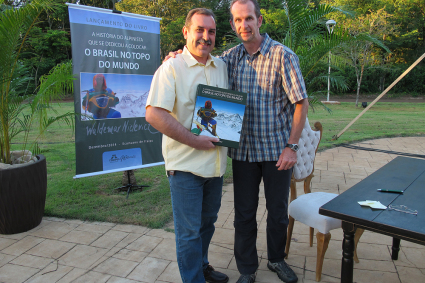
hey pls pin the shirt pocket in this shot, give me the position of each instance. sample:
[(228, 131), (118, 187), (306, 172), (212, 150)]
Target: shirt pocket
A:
[(270, 86)]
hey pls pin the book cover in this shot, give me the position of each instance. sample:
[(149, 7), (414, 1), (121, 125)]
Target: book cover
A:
[(219, 113)]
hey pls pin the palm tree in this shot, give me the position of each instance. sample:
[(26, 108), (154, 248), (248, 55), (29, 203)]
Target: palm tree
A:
[(20, 111)]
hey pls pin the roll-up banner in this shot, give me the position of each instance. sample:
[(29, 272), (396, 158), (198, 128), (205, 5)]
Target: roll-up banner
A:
[(115, 56)]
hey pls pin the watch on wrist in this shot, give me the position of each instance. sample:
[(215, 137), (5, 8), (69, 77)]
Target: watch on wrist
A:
[(293, 146)]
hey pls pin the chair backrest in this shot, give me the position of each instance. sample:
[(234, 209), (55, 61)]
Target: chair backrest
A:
[(308, 144)]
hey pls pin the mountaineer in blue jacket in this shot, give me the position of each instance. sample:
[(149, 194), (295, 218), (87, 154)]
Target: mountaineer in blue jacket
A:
[(100, 99), (207, 114)]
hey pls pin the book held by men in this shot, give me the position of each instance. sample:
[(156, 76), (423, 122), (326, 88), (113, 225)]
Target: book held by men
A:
[(219, 113)]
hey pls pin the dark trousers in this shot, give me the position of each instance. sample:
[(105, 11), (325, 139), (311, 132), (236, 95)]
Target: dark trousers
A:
[(246, 179)]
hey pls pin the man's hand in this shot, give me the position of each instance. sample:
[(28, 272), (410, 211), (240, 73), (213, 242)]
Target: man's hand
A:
[(204, 142), (172, 54), (287, 159)]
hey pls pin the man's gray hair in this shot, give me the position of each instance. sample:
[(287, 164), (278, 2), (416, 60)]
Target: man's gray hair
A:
[(201, 11), (256, 6)]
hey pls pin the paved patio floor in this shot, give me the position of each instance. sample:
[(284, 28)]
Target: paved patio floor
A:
[(61, 250)]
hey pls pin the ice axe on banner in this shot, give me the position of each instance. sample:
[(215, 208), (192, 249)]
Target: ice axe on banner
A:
[(335, 137)]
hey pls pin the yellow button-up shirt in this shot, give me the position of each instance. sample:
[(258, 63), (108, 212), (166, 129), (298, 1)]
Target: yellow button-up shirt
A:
[(173, 88)]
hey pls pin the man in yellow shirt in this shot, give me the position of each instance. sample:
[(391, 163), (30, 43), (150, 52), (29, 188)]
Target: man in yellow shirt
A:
[(195, 166)]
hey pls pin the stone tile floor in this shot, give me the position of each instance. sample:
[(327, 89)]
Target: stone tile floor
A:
[(61, 250)]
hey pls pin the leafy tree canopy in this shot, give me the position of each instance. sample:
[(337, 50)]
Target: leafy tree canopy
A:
[(173, 14), (406, 20)]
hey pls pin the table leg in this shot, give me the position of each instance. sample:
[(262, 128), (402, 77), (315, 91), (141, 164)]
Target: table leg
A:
[(395, 248), (347, 253)]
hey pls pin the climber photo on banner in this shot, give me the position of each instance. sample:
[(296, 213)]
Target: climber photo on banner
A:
[(216, 117), (112, 96)]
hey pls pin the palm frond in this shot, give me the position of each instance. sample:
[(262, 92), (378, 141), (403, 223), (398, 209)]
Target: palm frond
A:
[(53, 86), (318, 49), (302, 21), (15, 27), (314, 102), (36, 150)]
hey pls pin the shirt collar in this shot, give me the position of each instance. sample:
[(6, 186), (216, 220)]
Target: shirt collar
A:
[(263, 49), (191, 61)]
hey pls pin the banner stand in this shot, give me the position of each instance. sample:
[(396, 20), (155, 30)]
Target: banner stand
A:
[(130, 187), (114, 55)]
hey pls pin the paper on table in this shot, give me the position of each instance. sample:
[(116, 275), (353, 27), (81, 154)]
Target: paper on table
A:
[(372, 204)]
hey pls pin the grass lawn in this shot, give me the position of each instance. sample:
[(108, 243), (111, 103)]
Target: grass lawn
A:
[(94, 198), (384, 119)]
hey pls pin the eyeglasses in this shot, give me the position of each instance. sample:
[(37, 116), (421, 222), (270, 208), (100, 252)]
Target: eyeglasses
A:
[(403, 208)]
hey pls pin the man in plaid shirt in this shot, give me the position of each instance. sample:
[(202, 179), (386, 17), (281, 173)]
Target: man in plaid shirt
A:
[(275, 115)]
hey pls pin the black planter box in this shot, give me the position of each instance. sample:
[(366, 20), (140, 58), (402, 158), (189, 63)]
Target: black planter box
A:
[(22, 196)]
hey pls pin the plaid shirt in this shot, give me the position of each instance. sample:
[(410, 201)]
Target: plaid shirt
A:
[(273, 80)]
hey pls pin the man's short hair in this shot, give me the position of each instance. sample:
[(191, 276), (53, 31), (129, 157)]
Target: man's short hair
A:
[(256, 6), (201, 11)]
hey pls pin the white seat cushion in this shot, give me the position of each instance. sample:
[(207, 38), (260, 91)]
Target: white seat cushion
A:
[(305, 209), (306, 153)]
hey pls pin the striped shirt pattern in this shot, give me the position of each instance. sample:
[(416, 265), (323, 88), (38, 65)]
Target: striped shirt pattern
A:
[(273, 80)]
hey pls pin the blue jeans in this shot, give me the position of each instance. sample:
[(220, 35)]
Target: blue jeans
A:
[(196, 201)]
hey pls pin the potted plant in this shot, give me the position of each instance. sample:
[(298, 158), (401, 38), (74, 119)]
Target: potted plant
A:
[(23, 177)]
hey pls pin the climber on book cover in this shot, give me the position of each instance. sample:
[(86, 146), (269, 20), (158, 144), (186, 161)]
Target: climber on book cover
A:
[(207, 114)]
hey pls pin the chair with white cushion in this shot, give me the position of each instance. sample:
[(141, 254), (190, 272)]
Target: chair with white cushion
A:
[(305, 208), (304, 168)]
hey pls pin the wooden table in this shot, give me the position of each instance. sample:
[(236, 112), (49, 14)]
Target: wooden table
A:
[(402, 173)]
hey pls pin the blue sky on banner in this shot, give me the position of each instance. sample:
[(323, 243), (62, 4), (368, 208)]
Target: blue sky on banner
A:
[(112, 20), (119, 81)]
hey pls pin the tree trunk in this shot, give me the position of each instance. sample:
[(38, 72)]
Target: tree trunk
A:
[(359, 83), (382, 83)]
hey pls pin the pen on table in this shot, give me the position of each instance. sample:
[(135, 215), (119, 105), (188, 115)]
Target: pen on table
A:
[(390, 191)]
